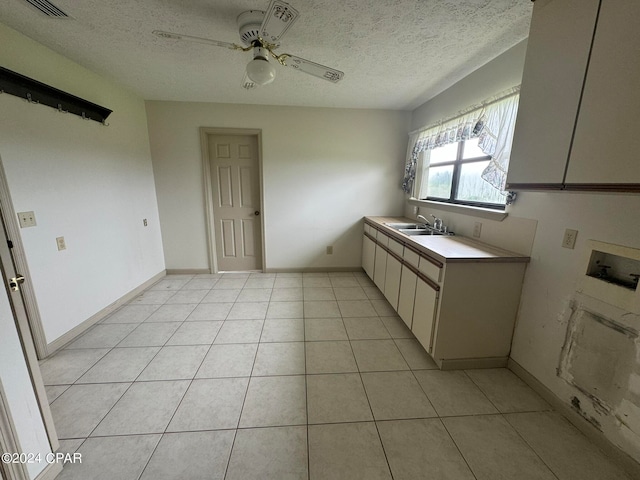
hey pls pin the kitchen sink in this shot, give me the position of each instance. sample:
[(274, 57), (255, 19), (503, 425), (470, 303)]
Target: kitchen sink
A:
[(406, 226), (415, 229), (419, 231)]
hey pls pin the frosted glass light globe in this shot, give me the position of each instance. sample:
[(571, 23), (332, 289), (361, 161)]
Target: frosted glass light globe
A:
[(261, 71)]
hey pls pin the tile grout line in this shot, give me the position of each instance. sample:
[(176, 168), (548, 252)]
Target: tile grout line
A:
[(530, 446), (306, 389), (244, 399), (457, 448), (373, 416)]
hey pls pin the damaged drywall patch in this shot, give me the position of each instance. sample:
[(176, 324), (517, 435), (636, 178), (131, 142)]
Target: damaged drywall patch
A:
[(575, 403), (600, 359)]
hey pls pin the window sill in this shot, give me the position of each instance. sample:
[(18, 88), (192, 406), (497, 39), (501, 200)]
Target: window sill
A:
[(487, 213)]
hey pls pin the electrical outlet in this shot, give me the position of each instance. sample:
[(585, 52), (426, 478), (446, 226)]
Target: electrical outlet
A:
[(569, 240), (330, 250), (477, 229), (61, 243), (27, 219), (144, 222), (415, 210)]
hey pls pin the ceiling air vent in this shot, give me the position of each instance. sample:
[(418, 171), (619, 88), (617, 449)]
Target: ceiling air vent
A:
[(48, 8)]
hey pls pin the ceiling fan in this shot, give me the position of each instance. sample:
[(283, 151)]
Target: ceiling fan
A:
[(261, 31)]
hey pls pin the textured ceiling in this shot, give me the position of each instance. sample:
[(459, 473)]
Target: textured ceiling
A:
[(396, 54)]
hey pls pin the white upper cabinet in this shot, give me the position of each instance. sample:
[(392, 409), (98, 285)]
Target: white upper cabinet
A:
[(606, 148), (554, 70), (579, 98)]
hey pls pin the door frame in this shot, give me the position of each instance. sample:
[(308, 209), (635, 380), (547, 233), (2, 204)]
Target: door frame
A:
[(29, 330), (205, 134), (10, 220), (9, 442)]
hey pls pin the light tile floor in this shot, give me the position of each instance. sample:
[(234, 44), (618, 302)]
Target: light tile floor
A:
[(292, 376)]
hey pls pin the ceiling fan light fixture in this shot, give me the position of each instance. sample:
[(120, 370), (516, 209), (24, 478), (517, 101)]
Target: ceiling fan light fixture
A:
[(259, 69), (261, 32)]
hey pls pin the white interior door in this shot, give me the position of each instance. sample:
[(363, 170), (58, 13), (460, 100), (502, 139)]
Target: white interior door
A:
[(235, 182)]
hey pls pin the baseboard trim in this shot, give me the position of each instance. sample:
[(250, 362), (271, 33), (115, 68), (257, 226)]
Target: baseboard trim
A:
[(71, 335), (50, 472), (313, 269), (631, 467), (472, 363), (188, 271)]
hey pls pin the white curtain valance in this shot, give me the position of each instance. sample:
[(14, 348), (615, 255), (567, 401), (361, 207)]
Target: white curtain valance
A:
[(461, 128), (493, 122)]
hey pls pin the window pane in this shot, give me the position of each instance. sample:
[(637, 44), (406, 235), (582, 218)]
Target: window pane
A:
[(473, 188), (439, 181), (447, 153), (471, 149)]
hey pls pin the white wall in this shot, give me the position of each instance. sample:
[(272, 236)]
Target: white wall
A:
[(551, 283), (502, 73), (16, 383), (535, 226), (323, 170), (89, 183)]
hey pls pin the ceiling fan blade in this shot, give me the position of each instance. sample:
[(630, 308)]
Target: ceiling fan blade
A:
[(247, 83), (312, 68), (278, 19), (189, 38)]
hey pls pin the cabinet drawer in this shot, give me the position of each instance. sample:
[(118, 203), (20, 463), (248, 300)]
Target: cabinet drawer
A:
[(382, 238), (396, 247), (429, 269), (411, 257), (369, 230)]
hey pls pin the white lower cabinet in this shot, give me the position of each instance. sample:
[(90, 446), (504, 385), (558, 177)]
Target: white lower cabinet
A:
[(461, 311), (424, 313), (368, 255), (407, 295), (380, 268), (392, 280)]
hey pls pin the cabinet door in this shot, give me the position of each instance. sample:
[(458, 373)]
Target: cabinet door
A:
[(606, 145), (407, 295), (554, 70), (380, 268), (424, 312), (368, 255), (392, 281)]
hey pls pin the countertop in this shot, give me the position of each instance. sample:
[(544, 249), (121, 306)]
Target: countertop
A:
[(447, 248)]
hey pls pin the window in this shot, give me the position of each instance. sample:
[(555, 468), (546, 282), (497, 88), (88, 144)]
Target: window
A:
[(454, 174), (445, 162)]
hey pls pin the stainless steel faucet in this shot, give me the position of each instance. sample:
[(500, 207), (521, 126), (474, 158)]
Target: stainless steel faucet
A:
[(426, 222), (437, 222)]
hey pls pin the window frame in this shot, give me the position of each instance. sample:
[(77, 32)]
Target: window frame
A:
[(455, 179)]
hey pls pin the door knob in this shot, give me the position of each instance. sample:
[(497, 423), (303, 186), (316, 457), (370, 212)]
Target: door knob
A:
[(256, 213), (15, 282)]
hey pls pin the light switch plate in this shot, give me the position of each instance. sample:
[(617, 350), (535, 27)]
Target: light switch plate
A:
[(27, 219)]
